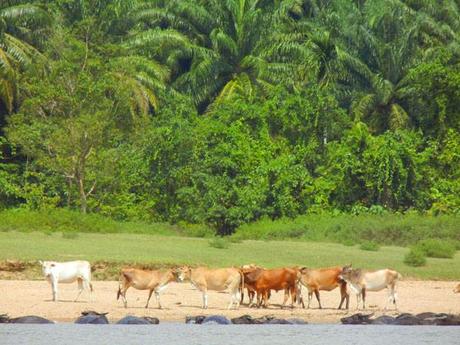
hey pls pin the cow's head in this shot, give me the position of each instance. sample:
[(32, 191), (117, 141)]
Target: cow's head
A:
[(47, 267), (346, 272), (457, 289), (183, 273)]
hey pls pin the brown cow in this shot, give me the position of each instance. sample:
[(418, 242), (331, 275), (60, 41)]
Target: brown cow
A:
[(251, 292), (326, 279), (262, 281), (144, 280), (219, 279)]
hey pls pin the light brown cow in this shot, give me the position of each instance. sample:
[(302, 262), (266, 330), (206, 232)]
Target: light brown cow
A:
[(361, 281), (262, 281), (326, 279), (219, 279), (457, 289), (155, 281)]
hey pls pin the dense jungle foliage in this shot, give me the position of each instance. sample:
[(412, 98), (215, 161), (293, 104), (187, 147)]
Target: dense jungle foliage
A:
[(226, 112)]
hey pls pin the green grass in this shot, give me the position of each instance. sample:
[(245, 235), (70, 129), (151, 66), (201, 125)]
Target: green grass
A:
[(176, 250), (68, 221)]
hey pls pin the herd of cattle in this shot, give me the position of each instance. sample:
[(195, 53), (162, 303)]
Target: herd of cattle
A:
[(258, 281)]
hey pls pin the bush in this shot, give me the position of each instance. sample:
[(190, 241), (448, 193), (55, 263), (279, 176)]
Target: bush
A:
[(348, 242), (369, 245), (415, 258), (434, 248), (219, 243)]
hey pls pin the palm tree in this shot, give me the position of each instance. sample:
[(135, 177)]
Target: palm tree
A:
[(21, 26), (215, 48), (393, 39), (144, 78)]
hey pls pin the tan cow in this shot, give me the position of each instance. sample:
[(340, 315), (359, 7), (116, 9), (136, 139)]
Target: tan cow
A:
[(155, 281), (361, 281), (457, 289), (325, 279), (219, 279)]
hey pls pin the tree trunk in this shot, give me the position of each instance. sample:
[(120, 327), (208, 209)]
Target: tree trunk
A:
[(83, 202)]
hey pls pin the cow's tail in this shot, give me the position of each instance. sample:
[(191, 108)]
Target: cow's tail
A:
[(119, 292), (242, 282), (91, 287)]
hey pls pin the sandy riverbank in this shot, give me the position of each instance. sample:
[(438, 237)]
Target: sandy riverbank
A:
[(27, 297)]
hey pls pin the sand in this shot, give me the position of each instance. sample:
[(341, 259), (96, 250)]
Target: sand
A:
[(25, 297)]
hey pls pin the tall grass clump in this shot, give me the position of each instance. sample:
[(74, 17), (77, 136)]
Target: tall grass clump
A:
[(219, 243), (370, 246), (434, 248), (415, 257), (71, 235)]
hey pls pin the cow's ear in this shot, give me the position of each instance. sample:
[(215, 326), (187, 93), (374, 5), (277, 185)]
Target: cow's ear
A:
[(40, 262)]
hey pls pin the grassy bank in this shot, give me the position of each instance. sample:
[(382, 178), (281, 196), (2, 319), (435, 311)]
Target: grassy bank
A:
[(160, 250), (384, 229), (67, 221)]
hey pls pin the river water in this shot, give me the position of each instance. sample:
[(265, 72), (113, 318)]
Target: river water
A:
[(171, 333)]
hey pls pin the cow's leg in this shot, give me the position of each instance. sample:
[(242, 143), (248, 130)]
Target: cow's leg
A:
[(363, 293), (299, 297), (293, 296), (252, 295), (266, 298), (205, 299), (54, 287), (123, 296), (392, 296), (80, 288), (259, 299), (343, 295), (148, 299), (238, 293), (318, 299), (358, 299), (310, 296), (157, 296), (232, 298), (286, 296)]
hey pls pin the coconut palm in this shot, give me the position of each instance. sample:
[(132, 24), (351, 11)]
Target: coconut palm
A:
[(21, 26)]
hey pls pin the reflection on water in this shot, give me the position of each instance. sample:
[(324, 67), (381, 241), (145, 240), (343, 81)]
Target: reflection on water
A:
[(173, 333)]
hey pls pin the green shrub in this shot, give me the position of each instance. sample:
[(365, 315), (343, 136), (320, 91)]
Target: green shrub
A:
[(434, 248), (71, 235), (219, 243), (348, 242), (369, 245), (415, 257)]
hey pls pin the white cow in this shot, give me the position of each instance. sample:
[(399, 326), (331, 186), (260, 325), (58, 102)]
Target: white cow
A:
[(361, 281), (68, 272)]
